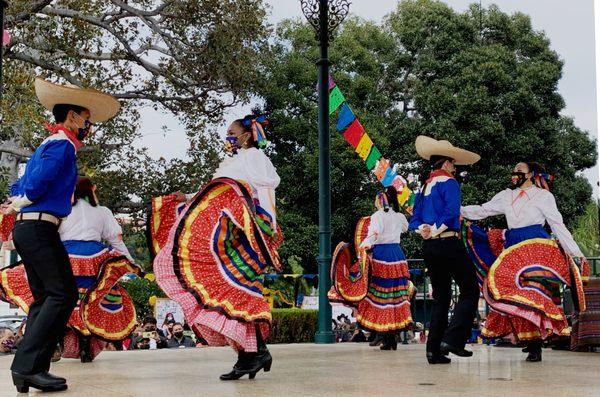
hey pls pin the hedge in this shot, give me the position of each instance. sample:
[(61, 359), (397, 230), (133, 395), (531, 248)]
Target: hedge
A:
[(293, 326), (289, 325), (140, 290)]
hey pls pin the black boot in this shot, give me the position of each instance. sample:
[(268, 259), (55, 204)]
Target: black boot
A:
[(377, 340), (84, 349), (262, 359), (250, 363), (390, 342), (535, 351), (240, 368)]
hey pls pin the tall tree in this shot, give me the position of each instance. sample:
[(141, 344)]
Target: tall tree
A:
[(194, 59), (482, 79)]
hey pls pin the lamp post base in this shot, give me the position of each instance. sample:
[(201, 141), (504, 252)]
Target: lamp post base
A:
[(324, 337)]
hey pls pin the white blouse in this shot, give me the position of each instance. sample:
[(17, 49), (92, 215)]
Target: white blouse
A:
[(252, 166), (385, 228), (526, 207), (88, 223)]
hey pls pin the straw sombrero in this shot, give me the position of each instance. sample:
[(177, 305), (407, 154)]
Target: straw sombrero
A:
[(427, 147), (101, 106)]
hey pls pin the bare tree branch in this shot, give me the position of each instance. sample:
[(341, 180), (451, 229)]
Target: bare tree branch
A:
[(15, 151), (34, 8)]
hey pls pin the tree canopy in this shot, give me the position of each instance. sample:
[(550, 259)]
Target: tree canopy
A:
[(194, 58), (483, 79)]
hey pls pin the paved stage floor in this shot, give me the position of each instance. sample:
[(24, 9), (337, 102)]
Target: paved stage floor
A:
[(343, 370)]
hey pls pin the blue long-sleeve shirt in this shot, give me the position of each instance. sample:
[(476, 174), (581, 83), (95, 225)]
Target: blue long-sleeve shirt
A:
[(50, 177), (438, 205)]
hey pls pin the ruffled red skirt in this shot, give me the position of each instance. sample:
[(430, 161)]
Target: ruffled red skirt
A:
[(521, 286), (104, 310), (376, 285), (213, 264)]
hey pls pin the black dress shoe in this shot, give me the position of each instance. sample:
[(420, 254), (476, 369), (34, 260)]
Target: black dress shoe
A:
[(41, 381), (58, 378), (446, 348), (534, 357), (433, 358)]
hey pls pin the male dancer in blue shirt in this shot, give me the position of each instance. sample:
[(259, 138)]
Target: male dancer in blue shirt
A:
[(436, 217), (40, 199)]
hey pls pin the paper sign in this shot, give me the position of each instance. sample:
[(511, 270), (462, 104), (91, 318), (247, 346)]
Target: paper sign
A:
[(5, 37), (373, 158), (345, 118), (353, 133), (165, 306), (381, 168), (336, 98), (388, 178), (364, 146)]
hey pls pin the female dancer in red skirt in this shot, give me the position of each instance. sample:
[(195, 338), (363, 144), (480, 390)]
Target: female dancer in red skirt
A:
[(223, 240), (99, 258), (522, 282), (378, 286)]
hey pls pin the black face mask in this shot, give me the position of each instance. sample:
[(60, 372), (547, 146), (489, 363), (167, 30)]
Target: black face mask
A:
[(178, 335), (516, 183), (144, 347)]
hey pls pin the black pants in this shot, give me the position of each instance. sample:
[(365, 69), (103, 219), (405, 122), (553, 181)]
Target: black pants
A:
[(447, 260), (54, 292)]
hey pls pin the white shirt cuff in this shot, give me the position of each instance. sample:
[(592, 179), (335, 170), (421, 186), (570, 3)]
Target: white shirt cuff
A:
[(437, 230), (19, 202)]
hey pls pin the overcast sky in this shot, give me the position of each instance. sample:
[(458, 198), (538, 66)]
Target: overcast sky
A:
[(568, 24)]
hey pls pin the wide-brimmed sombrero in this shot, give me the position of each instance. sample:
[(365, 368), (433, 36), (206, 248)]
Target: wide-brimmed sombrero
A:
[(102, 106), (427, 147)]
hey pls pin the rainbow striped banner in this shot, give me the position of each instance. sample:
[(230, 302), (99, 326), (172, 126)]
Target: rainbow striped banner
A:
[(354, 133)]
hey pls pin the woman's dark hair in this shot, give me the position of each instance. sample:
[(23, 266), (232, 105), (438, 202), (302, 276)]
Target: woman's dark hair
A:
[(61, 110), (437, 162), (85, 190), (392, 196), (247, 127), (535, 167)]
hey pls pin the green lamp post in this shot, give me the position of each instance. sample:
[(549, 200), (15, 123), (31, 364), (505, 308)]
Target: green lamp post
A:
[(324, 16)]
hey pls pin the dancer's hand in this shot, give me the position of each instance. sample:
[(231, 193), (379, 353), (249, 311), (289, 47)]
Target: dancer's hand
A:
[(8, 209)]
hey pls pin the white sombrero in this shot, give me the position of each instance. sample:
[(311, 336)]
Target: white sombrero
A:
[(427, 147), (101, 106)]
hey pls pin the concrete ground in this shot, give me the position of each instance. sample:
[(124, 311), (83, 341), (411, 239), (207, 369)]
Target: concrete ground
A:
[(343, 370)]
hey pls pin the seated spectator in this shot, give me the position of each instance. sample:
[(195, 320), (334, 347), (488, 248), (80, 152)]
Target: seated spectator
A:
[(149, 331), (167, 326), (20, 333), (150, 325), (179, 339), (7, 340), (141, 344), (114, 346), (358, 336)]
